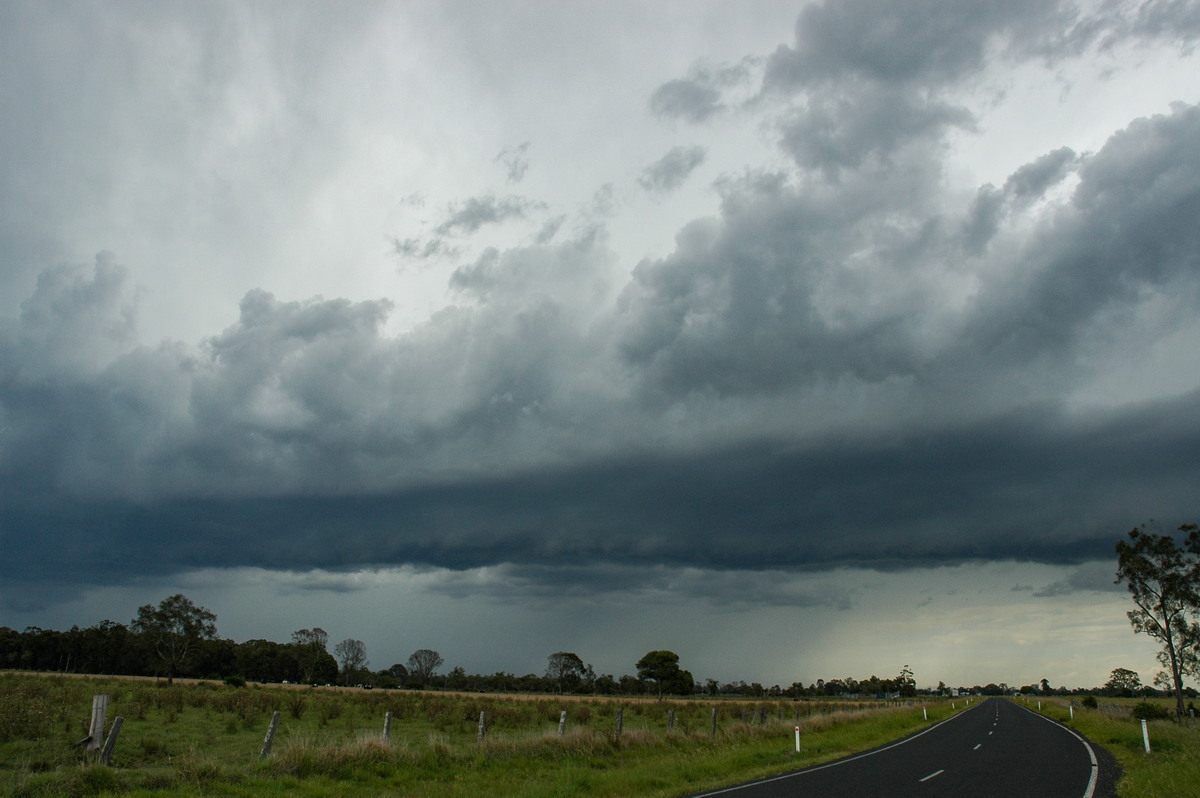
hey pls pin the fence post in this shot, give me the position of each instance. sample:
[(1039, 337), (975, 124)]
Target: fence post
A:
[(670, 720), (620, 720), (562, 723), (96, 729), (266, 746), (387, 727), (111, 742), (482, 726), (714, 721)]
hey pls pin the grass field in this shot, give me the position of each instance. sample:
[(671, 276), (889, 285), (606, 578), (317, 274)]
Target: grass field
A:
[(1170, 770), (205, 739)]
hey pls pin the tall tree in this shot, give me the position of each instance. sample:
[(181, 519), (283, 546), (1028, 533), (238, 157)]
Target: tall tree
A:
[(1123, 682), (423, 664), (174, 628), (565, 669), (1164, 581), (310, 646), (662, 668), (353, 656)]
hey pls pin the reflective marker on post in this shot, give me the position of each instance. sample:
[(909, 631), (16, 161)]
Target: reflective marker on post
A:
[(797, 739)]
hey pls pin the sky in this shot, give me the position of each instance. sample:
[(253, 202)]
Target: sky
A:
[(804, 340)]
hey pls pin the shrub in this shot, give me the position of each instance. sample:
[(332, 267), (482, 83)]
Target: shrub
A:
[(1089, 701), (234, 680), (1146, 710)]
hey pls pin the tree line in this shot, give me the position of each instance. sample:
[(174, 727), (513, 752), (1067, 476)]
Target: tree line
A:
[(177, 638)]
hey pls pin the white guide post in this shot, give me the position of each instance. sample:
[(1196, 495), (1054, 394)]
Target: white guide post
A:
[(1145, 737), (797, 739)]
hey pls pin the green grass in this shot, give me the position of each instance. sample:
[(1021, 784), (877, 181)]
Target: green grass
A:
[(1170, 770), (191, 740)]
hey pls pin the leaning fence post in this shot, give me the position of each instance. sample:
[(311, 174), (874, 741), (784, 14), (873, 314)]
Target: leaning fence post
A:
[(482, 726), (562, 723), (96, 728), (387, 726), (111, 742), (266, 746)]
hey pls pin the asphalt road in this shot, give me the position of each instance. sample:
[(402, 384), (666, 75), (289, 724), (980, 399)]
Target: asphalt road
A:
[(995, 748)]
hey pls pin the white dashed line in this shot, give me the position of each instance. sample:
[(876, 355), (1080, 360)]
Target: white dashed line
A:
[(931, 775)]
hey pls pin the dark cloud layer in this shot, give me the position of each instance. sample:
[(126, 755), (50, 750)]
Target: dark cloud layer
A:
[(845, 365)]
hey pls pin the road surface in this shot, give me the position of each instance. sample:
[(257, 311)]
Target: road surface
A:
[(995, 748)]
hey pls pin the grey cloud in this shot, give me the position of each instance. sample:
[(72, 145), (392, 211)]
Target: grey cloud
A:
[(1032, 180), (670, 171), (423, 250), (865, 79), (1026, 488), (516, 161), (1092, 577), (549, 229), (727, 589), (894, 43), (474, 213), (1027, 184), (832, 132), (687, 99), (765, 297), (1130, 231)]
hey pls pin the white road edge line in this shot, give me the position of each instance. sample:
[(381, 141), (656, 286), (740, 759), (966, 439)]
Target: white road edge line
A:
[(977, 747), (1091, 788), (840, 761), (931, 775)]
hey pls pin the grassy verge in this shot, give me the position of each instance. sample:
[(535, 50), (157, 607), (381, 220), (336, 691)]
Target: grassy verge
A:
[(204, 740), (1170, 770)]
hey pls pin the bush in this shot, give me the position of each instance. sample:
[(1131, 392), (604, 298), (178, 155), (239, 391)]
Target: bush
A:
[(235, 681), (1089, 701), (1145, 710)]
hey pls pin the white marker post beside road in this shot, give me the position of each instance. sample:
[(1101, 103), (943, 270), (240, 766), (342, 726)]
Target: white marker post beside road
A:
[(797, 739)]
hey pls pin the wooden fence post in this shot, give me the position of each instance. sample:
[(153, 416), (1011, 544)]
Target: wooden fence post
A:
[(482, 726), (671, 720), (96, 728), (111, 742), (562, 723), (387, 727), (620, 720), (266, 746), (714, 721)]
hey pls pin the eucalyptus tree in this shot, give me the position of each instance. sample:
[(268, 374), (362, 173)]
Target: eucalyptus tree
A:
[(353, 656), (174, 629), (1164, 581)]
